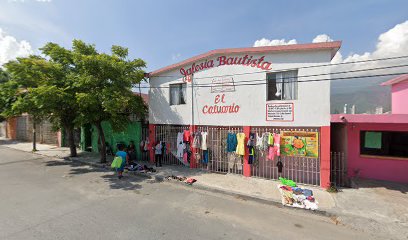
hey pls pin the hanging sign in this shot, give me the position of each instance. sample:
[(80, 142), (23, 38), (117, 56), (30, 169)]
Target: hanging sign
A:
[(279, 112), (222, 84), (300, 144)]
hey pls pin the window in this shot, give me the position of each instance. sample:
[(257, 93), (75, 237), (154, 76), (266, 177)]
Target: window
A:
[(282, 85), (178, 94), (384, 143)]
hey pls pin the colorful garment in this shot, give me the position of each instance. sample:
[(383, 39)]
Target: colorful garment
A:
[(251, 140), (251, 156), (232, 142), (197, 140), (276, 145), (270, 139), (241, 144), (204, 140), (180, 145), (186, 136), (205, 156), (234, 160), (123, 155)]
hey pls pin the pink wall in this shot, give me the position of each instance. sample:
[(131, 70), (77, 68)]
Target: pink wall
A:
[(374, 168), (399, 98)]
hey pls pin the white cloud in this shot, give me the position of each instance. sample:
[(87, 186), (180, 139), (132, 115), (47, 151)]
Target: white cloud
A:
[(274, 42), (322, 38), (11, 48)]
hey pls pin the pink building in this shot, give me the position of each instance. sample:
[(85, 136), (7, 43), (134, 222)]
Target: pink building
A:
[(376, 146)]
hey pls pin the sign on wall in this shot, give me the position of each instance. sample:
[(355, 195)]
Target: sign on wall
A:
[(222, 84), (280, 112), (300, 144)]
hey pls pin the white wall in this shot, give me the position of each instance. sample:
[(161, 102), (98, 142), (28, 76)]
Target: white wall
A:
[(312, 108)]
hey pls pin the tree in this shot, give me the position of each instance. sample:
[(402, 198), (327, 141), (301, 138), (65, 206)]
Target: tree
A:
[(48, 89), (105, 87), (25, 74)]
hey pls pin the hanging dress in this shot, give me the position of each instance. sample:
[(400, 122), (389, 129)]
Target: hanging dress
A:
[(204, 140), (180, 145), (241, 144), (232, 142)]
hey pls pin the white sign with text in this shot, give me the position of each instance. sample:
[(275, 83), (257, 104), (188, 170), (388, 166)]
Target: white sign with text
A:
[(280, 112)]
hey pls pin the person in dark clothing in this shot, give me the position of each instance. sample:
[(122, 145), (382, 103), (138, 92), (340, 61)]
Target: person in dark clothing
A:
[(280, 166)]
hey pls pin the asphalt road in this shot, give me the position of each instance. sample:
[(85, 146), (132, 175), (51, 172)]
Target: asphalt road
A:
[(43, 198)]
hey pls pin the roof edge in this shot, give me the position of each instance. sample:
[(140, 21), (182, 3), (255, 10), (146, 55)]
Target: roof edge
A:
[(335, 46), (400, 78)]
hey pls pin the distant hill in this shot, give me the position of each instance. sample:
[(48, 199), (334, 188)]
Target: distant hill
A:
[(365, 95)]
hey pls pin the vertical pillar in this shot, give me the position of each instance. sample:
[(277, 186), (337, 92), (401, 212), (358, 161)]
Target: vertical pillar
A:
[(152, 140), (11, 130), (325, 157), (247, 167), (193, 160)]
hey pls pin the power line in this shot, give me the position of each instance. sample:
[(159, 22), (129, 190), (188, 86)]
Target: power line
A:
[(321, 74), (304, 67), (305, 81)]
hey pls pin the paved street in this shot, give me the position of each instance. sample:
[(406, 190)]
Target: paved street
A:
[(44, 198)]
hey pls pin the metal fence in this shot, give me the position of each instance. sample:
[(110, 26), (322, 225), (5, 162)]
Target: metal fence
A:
[(144, 136), (218, 159), (338, 169), (168, 134), (300, 169)]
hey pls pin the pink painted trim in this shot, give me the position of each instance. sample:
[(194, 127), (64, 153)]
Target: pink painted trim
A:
[(396, 80), (369, 118), (325, 157), (334, 46)]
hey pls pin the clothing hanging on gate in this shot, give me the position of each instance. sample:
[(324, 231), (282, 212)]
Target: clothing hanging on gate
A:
[(186, 136), (280, 166), (205, 156), (251, 140), (241, 144), (232, 142), (204, 140), (180, 145), (234, 160), (251, 156), (197, 140), (259, 142), (146, 145), (270, 139), (265, 139), (276, 143)]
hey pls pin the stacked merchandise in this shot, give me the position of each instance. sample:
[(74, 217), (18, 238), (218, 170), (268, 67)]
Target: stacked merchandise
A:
[(296, 197)]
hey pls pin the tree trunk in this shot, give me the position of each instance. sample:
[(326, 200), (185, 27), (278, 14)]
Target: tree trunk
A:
[(34, 136), (71, 141), (103, 142)]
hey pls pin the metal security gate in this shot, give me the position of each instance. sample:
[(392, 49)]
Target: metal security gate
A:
[(144, 137), (299, 169), (168, 134), (22, 128), (219, 160), (338, 169)]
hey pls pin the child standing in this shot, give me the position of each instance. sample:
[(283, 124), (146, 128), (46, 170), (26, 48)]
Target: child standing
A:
[(158, 154), (124, 157)]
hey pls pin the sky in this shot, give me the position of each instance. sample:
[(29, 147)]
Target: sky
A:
[(164, 32)]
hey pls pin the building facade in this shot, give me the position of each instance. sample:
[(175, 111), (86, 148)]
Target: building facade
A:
[(280, 89)]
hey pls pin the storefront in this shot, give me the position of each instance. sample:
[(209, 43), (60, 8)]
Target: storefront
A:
[(277, 91)]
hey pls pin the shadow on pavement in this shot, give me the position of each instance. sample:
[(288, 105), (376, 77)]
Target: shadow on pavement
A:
[(128, 182)]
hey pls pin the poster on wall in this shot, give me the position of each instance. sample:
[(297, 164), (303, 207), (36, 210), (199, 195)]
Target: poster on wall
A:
[(222, 84), (279, 112), (300, 144)]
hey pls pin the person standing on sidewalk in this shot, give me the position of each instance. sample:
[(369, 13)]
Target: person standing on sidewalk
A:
[(124, 157)]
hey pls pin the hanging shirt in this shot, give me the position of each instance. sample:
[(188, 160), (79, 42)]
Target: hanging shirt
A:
[(251, 157), (265, 140), (197, 140), (186, 136), (270, 138), (241, 144), (232, 142), (259, 142), (277, 143), (180, 145), (251, 140), (204, 140)]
